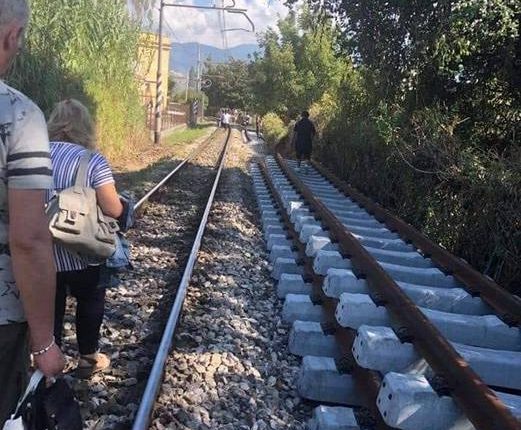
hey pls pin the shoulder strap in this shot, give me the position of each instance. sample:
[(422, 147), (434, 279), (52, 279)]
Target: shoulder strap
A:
[(83, 167)]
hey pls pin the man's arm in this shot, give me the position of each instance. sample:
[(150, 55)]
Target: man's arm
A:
[(34, 272)]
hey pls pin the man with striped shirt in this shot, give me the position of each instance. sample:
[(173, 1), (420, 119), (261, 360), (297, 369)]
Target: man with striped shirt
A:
[(27, 272)]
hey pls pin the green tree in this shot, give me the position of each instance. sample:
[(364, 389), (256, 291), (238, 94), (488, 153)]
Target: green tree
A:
[(230, 85), (299, 64)]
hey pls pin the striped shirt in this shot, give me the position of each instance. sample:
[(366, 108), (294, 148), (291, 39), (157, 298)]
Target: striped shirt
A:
[(65, 160), (24, 164)]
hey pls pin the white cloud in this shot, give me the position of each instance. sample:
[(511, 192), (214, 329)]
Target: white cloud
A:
[(192, 25)]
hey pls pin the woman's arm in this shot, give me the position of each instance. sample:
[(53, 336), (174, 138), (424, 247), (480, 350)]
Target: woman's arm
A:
[(108, 200)]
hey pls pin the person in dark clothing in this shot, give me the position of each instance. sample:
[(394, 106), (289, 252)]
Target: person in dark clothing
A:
[(303, 135)]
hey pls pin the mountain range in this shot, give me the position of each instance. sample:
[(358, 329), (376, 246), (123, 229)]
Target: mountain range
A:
[(183, 56)]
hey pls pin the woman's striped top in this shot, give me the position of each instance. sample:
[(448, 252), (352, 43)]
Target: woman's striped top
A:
[(65, 161)]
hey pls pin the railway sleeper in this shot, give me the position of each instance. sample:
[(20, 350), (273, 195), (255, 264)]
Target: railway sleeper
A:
[(285, 265), (487, 331), (279, 251), (333, 418), (292, 284), (379, 348), (301, 307), (308, 339), (277, 239), (413, 272), (401, 258), (452, 300), (320, 380), (408, 402), (428, 276)]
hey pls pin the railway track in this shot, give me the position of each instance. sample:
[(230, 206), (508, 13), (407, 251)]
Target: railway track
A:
[(155, 379), (143, 312), (392, 329)]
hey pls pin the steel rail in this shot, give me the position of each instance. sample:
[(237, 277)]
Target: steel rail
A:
[(146, 407), (367, 381), (477, 400), (506, 305), (167, 178)]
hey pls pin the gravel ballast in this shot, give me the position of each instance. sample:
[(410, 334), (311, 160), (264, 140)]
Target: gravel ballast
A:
[(231, 368)]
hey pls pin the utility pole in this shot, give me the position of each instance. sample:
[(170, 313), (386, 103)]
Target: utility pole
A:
[(159, 80), (200, 80), (187, 85), (198, 67)]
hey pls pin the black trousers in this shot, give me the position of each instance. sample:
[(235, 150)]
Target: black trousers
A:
[(90, 306), (303, 149)]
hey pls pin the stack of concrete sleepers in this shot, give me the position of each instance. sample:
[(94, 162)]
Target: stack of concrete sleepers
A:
[(407, 400)]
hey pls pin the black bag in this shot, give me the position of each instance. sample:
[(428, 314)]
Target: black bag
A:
[(46, 408)]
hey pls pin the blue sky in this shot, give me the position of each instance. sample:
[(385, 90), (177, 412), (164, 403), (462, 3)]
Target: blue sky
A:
[(190, 25)]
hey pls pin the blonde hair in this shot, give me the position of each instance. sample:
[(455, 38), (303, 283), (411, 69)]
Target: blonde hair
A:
[(70, 121)]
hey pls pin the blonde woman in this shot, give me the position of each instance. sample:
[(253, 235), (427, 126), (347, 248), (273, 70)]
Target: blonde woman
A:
[(71, 132)]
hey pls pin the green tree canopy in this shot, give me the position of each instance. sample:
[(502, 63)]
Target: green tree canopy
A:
[(230, 85)]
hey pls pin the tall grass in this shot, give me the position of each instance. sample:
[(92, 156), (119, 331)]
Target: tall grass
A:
[(86, 49)]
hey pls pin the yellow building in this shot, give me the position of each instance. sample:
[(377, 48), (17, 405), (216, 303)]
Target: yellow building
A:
[(147, 68)]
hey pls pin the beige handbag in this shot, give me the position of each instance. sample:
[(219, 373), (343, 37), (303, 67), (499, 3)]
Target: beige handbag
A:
[(76, 221)]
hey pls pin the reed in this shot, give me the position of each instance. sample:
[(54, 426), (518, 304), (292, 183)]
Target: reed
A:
[(86, 49)]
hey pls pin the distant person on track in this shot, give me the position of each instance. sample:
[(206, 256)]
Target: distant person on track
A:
[(258, 125), (227, 119), (27, 276), (71, 131), (303, 135)]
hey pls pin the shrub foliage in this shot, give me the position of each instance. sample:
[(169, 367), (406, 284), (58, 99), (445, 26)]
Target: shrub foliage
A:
[(86, 49)]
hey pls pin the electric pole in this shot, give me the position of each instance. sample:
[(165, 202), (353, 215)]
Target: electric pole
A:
[(199, 79), (159, 80), (187, 85)]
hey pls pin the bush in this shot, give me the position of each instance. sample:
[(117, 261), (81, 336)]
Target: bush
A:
[(85, 49), (273, 129), (423, 167)]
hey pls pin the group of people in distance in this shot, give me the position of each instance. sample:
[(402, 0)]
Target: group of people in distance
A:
[(304, 131), (224, 118), (38, 159)]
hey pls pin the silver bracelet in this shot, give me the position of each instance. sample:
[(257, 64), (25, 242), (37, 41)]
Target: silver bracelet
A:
[(44, 350)]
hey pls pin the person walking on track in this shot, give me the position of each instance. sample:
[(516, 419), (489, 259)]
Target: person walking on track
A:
[(226, 119), (258, 125), (27, 274), (303, 135), (71, 131)]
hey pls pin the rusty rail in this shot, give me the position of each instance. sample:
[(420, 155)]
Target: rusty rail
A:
[(506, 305), (367, 381), (203, 145), (476, 399)]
